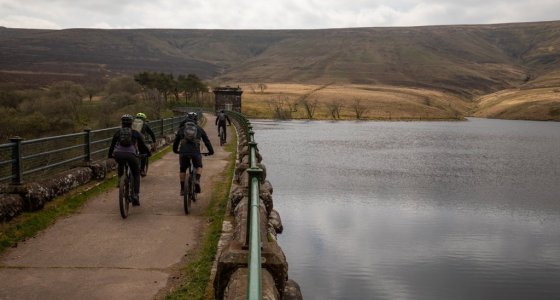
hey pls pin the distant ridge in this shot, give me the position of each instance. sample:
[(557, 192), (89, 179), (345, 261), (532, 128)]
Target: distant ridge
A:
[(467, 60)]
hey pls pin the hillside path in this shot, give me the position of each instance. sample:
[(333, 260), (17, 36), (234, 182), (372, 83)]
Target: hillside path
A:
[(94, 254)]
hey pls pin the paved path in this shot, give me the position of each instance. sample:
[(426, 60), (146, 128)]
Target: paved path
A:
[(95, 254)]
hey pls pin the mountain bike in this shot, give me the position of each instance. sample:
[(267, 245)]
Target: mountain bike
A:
[(189, 188), (126, 188)]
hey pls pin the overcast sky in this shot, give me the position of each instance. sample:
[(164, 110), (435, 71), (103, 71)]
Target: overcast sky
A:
[(268, 14)]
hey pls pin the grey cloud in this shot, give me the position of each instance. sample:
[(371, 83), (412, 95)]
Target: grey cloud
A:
[(268, 14)]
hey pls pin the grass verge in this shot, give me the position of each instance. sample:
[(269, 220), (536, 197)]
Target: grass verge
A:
[(28, 224), (196, 273)]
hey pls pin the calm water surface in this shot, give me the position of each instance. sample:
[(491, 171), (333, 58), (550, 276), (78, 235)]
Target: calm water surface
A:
[(418, 210)]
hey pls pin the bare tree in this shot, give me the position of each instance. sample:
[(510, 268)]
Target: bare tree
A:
[(282, 107), (334, 108), (359, 109), (262, 87), (309, 105), (252, 88)]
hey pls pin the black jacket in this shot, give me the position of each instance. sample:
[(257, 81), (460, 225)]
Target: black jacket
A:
[(222, 122), (146, 129), (180, 145)]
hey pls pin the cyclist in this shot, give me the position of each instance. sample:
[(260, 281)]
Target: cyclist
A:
[(125, 146), (221, 119), (188, 149), (139, 124)]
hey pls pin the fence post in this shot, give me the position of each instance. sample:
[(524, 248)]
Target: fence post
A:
[(162, 131), (87, 145), (17, 166), (252, 148)]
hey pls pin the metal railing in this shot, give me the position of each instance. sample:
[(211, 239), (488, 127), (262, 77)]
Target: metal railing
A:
[(253, 237), (31, 159)]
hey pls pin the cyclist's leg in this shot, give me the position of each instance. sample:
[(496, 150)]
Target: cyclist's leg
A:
[(197, 164), (143, 164), (184, 163), (134, 164), (120, 165)]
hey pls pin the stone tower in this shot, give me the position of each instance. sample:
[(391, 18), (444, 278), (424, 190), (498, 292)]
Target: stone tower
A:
[(228, 98)]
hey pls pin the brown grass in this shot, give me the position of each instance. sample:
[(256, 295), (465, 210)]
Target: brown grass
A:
[(381, 102), (526, 104)]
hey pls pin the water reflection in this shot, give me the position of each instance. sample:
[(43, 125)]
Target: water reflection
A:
[(412, 210)]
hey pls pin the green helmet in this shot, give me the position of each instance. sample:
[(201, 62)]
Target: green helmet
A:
[(141, 116)]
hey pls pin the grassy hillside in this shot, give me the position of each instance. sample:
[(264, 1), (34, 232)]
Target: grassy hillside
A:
[(464, 62)]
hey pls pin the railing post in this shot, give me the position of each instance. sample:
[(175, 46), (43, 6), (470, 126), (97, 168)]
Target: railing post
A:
[(87, 145), (17, 166), (162, 132)]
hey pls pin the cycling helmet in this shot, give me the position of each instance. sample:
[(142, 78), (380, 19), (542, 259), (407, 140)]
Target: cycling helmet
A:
[(127, 119), (192, 116), (141, 116)]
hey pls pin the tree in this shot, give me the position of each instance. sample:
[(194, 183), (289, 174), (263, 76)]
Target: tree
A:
[(193, 87), (359, 109), (309, 105), (262, 87), (282, 107), (68, 96), (122, 84), (334, 108)]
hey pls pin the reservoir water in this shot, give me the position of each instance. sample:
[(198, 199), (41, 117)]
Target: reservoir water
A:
[(417, 210)]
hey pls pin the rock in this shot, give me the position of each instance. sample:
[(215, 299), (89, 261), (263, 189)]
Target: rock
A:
[(292, 291), (10, 206)]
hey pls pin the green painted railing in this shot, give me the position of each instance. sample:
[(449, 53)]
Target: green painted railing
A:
[(45, 156), (253, 236)]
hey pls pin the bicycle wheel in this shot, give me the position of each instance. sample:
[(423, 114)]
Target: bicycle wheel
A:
[(193, 189), (124, 193), (187, 195)]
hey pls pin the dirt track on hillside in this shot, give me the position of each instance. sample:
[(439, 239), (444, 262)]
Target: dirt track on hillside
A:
[(95, 254)]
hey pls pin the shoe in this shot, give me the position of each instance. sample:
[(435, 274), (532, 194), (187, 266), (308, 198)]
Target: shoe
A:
[(135, 200), (143, 173), (197, 188)]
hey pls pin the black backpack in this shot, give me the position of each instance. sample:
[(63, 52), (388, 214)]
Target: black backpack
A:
[(190, 132), (125, 136)]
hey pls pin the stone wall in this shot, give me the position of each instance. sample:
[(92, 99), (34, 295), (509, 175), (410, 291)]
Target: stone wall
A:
[(32, 196), (230, 279)]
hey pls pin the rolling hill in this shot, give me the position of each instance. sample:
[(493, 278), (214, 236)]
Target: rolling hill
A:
[(468, 61)]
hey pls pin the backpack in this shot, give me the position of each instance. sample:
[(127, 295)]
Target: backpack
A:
[(138, 125), (222, 117), (190, 132), (125, 136)]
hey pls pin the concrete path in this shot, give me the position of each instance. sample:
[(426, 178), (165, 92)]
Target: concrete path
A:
[(95, 254)]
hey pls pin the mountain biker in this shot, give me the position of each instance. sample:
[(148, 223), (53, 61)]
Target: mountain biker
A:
[(125, 146), (139, 124), (189, 150), (221, 119)]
